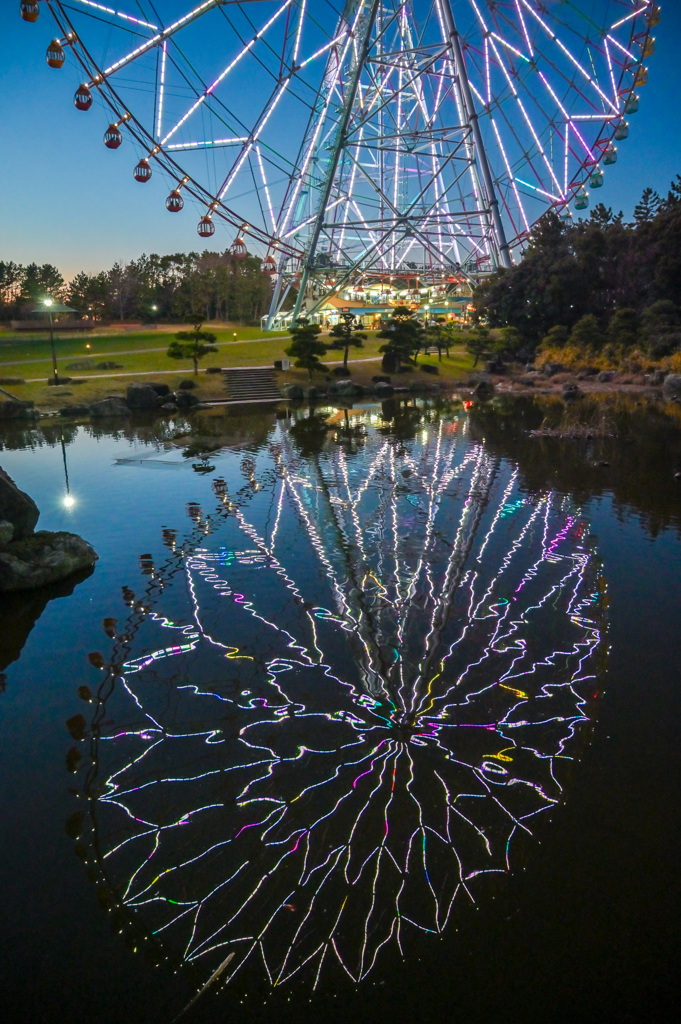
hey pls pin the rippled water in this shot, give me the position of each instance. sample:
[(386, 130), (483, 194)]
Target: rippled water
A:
[(325, 683)]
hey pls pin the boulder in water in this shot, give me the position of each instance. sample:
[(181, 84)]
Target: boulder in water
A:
[(112, 406), (142, 397), (17, 508), (30, 560), (671, 387), (43, 558), (185, 399)]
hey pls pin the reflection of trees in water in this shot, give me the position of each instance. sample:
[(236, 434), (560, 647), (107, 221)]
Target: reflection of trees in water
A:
[(368, 683), (204, 430), (22, 609), (630, 447), (15, 437)]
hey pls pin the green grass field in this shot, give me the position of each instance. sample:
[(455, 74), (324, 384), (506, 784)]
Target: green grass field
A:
[(141, 355), (16, 347)]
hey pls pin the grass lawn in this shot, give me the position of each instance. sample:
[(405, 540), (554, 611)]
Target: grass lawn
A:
[(141, 355), (105, 342)]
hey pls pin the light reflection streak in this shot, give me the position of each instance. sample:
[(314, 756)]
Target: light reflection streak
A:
[(386, 655)]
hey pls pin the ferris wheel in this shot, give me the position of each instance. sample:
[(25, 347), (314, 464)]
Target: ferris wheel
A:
[(357, 141)]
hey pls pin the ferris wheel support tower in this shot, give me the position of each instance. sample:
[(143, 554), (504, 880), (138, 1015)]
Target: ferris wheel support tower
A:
[(363, 19), (468, 104)]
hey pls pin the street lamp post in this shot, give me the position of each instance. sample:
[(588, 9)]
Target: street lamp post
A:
[(50, 307), (55, 375)]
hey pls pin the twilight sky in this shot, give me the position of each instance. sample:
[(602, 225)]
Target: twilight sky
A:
[(67, 200)]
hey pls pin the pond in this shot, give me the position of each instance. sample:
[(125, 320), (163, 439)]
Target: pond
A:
[(371, 712)]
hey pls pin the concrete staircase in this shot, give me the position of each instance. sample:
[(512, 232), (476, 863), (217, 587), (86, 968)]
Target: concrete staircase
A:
[(251, 384)]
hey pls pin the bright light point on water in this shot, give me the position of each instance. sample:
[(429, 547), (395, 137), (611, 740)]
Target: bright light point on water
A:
[(69, 501)]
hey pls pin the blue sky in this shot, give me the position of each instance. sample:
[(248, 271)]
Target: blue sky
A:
[(67, 200)]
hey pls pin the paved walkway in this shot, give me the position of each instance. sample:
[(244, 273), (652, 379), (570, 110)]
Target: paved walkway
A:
[(158, 373)]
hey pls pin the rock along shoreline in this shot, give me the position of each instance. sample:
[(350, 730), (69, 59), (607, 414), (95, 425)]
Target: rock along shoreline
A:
[(29, 559)]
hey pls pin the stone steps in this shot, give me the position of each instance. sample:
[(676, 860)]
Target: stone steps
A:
[(251, 385)]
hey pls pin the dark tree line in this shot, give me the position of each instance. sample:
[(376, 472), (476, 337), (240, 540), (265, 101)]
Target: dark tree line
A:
[(596, 282), (210, 285)]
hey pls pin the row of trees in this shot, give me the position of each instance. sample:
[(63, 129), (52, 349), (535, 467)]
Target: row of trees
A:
[(209, 284), (595, 283), (404, 337)]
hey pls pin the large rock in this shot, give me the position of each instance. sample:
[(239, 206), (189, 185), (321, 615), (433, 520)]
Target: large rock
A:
[(17, 508), (671, 387), (142, 397), (110, 407), (293, 392), (43, 558), (185, 399), (383, 389), (348, 388), (6, 533)]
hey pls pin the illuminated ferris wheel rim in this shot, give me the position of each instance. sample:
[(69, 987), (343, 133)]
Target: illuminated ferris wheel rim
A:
[(625, 72)]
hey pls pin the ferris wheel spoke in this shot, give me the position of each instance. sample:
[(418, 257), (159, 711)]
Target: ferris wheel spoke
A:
[(131, 19), (529, 124), (510, 178), (210, 89), (646, 6), (523, 27), (619, 46), (315, 127), (160, 37), (579, 68)]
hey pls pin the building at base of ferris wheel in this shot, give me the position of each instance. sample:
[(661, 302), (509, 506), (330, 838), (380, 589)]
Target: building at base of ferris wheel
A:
[(373, 303)]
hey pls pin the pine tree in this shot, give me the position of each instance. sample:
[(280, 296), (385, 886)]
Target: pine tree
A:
[(194, 344), (587, 334), (623, 328), (647, 208), (306, 347), (556, 337), (345, 334), (403, 335)]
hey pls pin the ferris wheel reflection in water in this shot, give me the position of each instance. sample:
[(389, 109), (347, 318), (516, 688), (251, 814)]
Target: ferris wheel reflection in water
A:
[(338, 700)]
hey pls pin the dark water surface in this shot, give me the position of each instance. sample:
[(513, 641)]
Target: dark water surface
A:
[(385, 703)]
